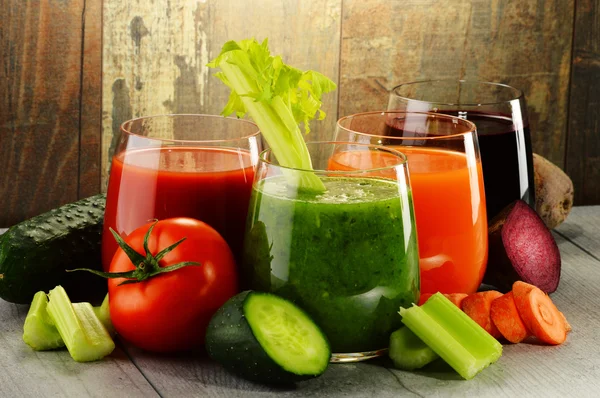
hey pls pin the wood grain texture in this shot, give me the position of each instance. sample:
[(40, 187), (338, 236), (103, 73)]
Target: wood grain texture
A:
[(572, 369), (27, 373), (91, 100), (154, 58), (583, 145), (526, 44), (198, 376), (582, 227), (39, 114)]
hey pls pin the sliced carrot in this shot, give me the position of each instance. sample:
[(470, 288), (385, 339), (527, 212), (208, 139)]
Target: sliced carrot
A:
[(424, 297), (568, 327), (539, 313), (456, 298), (477, 307), (506, 318)]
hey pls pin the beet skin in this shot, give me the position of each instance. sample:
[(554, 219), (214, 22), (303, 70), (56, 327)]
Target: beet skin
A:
[(521, 247)]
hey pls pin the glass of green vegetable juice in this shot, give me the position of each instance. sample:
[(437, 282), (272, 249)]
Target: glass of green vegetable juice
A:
[(346, 255)]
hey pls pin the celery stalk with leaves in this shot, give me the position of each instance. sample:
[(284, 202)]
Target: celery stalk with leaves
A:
[(278, 98)]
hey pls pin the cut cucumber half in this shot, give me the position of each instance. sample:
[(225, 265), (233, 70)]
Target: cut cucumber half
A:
[(408, 352), (265, 338)]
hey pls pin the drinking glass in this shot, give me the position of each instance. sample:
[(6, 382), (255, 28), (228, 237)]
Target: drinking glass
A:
[(500, 114), (198, 166), (447, 188), (346, 255)]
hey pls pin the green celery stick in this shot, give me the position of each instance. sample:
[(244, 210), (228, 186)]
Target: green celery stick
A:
[(38, 331), (277, 97), (103, 313), (408, 352), (455, 337), (81, 330)]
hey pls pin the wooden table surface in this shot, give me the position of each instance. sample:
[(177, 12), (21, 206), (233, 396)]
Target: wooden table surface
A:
[(572, 369)]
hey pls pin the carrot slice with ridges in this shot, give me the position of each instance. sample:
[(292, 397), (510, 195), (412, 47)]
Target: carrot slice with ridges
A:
[(506, 318), (477, 307), (539, 313), (456, 298)]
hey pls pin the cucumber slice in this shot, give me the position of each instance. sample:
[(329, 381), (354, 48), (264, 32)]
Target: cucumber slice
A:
[(265, 338), (39, 331), (287, 334), (408, 352)]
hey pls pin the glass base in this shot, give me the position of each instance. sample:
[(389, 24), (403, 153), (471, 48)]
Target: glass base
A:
[(356, 356)]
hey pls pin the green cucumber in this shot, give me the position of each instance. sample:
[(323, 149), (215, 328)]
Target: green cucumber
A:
[(265, 338), (39, 331), (35, 253), (408, 352)]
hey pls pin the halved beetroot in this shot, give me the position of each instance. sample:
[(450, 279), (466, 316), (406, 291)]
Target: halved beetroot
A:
[(521, 247)]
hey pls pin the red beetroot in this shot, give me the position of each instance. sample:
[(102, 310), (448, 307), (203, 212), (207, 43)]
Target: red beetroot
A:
[(521, 247)]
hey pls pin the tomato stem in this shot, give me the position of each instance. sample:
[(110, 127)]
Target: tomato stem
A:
[(146, 266)]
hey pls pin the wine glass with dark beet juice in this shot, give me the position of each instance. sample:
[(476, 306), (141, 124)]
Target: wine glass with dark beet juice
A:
[(500, 115)]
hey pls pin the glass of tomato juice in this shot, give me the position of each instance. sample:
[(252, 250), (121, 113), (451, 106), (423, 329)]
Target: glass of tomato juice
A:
[(346, 254), (198, 166), (447, 185)]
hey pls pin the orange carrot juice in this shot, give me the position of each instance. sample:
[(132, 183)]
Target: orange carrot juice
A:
[(449, 202)]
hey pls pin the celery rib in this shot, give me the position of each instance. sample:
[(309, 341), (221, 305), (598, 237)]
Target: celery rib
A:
[(408, 352), (278, 98), (38, 331), (81, 330), (455, 337), (103, 314)]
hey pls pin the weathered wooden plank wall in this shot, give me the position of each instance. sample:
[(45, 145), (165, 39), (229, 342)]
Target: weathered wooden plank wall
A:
[(72, 71), (154, 58), (583, 146), (524, 43), (42, 46)]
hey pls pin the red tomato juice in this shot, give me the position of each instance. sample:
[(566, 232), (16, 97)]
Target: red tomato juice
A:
[(449, 204), (210, 184)]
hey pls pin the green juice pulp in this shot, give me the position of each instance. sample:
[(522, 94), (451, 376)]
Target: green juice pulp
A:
[(348, 257)]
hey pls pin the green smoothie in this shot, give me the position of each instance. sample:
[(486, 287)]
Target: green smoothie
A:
[(348, 256)]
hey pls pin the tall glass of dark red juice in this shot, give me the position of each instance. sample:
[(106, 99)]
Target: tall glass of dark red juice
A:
[(500, 114), (198, 166)]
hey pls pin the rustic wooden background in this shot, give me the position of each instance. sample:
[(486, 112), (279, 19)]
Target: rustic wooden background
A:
[(72, 70)]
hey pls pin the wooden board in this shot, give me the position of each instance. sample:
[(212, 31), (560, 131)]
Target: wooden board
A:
[(154, 58), (582, 227), (27, 373), (526, 44), (40, 76), (91, 100), (583, 144)]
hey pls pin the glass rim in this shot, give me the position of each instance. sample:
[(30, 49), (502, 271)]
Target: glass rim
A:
[(518, 93), (470, 124), (401, 157), (125, 130)]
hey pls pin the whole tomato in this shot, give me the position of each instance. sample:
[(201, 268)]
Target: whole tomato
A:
[(170, 311)]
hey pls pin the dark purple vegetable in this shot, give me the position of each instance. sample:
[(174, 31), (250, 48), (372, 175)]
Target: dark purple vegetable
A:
[(521, 247)]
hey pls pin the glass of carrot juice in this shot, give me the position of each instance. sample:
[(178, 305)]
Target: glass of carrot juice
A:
[(198, 166), (447, 185)]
